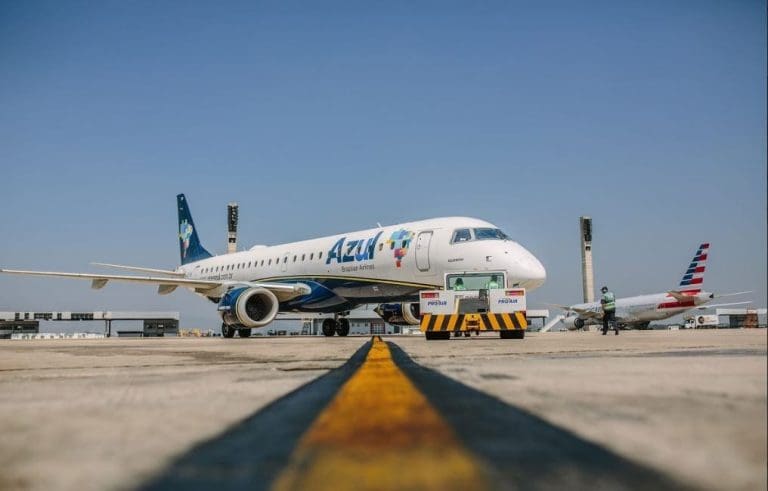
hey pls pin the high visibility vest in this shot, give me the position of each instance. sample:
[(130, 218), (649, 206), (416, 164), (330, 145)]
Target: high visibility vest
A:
[(609, 301)]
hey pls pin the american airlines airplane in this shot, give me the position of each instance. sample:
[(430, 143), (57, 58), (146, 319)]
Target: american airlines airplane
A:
[(640, 310), (385, 265)]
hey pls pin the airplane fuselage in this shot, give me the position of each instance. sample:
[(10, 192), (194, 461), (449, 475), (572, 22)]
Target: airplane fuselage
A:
[(646, 308), (376, 265)]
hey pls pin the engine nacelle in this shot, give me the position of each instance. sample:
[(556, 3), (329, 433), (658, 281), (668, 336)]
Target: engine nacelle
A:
[(248, 307), (573, 322), (400, 314)]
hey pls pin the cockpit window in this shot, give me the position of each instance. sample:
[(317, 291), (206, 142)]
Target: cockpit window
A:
[(490, 234), (461, 235)]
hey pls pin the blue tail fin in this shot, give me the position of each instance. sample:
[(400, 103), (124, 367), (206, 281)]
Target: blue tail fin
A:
[(189, 245)]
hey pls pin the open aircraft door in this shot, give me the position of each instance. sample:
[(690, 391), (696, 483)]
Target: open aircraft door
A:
[(422, 250)]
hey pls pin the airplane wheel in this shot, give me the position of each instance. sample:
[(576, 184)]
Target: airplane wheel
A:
[(227, 332), (244, 333), (516, 334), (342, 327), (329, 327)]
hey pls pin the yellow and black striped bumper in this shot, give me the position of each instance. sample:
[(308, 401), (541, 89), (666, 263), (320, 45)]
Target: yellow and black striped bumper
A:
[(473, 322)]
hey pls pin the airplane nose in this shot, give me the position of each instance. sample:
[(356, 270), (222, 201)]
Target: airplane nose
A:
[(528, 270), (536, 274)]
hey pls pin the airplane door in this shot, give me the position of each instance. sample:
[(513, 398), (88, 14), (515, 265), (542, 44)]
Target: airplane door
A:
[(422, 250)]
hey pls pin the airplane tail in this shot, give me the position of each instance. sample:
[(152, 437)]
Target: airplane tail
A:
[(189, 244), (693, 279)]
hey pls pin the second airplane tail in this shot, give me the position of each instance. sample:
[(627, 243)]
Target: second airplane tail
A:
[(693, 278), (190, 248)]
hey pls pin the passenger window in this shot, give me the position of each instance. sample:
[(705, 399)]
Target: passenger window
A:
[(381, 247), (303, 256), (285, 259), (294, 258), (262, 262), (311, 256), (269, 263), (461, 235), (320, 256)]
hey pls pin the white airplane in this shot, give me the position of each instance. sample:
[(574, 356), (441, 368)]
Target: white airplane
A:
[(337, 273), (639, 311)]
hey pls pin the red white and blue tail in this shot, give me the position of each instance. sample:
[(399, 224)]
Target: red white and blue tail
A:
[(693, 279)]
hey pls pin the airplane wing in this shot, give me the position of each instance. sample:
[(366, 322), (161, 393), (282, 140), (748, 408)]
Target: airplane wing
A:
[(283, 291), (704, 307), (721, 295), (582, 312), (144, 270)]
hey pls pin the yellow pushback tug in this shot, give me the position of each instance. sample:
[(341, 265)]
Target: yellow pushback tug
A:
[(465, 311)]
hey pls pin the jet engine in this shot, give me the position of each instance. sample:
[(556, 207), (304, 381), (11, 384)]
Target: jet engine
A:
[(573, 322), (399, 314), (248, 307)]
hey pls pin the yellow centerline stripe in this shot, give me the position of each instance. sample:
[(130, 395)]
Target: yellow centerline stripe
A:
[(380, 432)]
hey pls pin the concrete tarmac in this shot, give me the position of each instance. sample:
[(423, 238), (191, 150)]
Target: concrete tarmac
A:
[(116, 414)]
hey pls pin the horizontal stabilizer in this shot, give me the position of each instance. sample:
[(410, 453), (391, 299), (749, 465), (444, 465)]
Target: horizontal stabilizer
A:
[(679, 296)]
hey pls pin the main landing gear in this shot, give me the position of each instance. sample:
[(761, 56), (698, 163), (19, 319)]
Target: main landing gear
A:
[(337, 325), (228, 331)]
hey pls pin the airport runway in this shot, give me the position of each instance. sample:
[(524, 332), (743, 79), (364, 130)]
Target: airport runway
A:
[(658, 409)]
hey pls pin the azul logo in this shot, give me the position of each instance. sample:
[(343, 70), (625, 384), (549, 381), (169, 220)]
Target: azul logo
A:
[(344, 251), (185, 232), (399, 242)]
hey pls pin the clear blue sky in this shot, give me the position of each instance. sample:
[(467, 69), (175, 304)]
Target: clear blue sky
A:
[(323, 117)]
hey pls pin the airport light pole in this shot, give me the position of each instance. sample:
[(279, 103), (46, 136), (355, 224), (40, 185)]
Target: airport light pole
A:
[(587, 273), (232, 228)]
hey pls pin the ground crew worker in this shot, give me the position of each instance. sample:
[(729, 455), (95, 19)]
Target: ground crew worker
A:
[(459, 285), (493, 283), (608, 303)]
